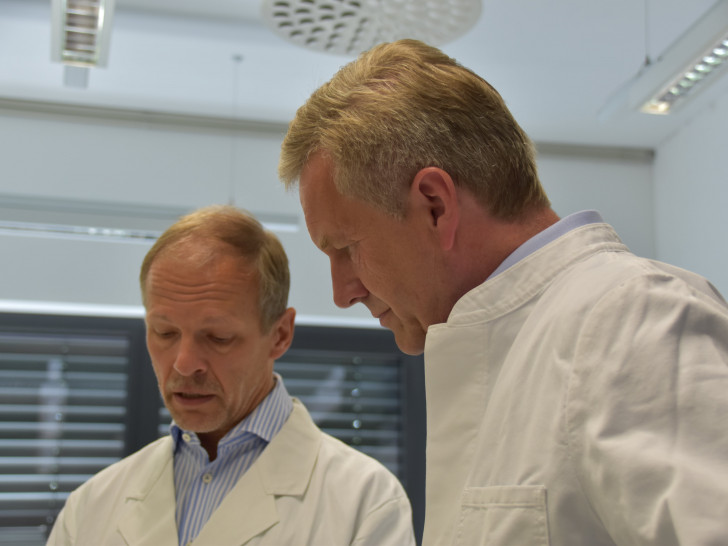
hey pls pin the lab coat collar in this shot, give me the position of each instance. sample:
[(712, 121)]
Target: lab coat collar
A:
[(284, 468), (522, 281), (150, 519)]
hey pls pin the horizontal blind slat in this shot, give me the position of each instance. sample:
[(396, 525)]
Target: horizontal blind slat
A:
[(62, 419)]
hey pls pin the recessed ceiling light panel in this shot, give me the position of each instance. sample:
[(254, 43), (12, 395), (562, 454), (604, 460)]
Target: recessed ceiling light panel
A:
[(81, 31), (347, 27)]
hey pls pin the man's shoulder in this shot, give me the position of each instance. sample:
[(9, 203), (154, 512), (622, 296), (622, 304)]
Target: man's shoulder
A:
[(625, 271), (136, 466), (336, 459), (350, 497), (340, 460), (336, 448), (594, 258)]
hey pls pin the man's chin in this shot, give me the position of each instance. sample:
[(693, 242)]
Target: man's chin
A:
[(194, 424), (408, 343), (194, 420)]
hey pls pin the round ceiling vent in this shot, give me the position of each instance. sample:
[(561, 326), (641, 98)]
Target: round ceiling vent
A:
[(351, 26)]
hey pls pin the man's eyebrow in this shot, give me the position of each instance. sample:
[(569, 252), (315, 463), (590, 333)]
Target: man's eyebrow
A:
[(324, 242)]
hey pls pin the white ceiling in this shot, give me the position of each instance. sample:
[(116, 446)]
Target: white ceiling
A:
[(556, 62)]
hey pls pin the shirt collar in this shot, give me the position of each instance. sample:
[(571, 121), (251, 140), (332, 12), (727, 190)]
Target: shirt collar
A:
[(548, 235)]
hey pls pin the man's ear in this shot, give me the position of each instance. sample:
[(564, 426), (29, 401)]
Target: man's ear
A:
[(282, 333), (433, 192)]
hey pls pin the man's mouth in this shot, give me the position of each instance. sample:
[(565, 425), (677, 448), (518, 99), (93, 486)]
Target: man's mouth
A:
[(382, 315), (191, 398)]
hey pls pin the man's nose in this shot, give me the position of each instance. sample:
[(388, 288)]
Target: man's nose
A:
[(348, 288), (190, 360)]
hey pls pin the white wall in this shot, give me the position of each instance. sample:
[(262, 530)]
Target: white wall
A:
[(691, 196), (142, 172), (135, 174), (617, 183)]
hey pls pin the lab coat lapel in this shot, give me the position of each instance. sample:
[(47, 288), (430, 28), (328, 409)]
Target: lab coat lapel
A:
[(283, 469), (246, 511), (150, 517)]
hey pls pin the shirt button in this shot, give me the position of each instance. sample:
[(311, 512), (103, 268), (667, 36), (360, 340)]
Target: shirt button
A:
[(186, 437), (207, 478)]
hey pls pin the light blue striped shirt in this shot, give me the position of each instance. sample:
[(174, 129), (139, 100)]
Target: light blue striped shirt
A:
[(201, 485), (551, 233)]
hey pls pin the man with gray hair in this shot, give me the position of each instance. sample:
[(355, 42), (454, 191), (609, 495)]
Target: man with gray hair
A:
[(576, 393)]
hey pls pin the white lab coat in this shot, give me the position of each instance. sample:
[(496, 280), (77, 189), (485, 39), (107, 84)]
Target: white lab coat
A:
[(579, 398), (306, 488)]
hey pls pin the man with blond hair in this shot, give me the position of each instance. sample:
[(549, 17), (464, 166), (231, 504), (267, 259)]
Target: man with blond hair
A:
[(576, 393), (244, 463)]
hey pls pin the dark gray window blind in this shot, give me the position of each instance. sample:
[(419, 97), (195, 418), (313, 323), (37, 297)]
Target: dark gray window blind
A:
[(76, 394), (355, 397), (62, 419)]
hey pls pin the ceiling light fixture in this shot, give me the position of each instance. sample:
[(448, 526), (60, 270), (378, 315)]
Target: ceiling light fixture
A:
[(348, 27), (688, 66), (81, 31)]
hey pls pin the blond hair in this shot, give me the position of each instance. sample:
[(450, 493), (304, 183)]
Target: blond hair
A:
[(404, 106), (241, 234)]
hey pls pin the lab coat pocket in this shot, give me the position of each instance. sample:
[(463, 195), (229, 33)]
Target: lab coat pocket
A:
[(503, 516)]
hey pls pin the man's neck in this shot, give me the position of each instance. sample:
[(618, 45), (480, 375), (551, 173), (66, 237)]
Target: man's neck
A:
[(485, 242), (209, 441)]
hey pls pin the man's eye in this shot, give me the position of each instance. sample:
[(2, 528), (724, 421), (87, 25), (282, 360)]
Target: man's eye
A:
[(221, 340), (346, 250)]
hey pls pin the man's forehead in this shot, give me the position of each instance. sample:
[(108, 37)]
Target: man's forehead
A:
[(205, 317), (319, 168), (319, 199)]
